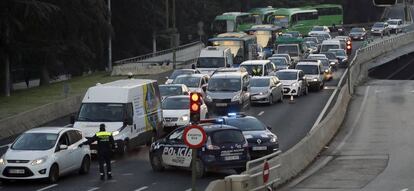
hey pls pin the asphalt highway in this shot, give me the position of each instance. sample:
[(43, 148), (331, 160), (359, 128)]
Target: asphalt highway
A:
[(290, 122)]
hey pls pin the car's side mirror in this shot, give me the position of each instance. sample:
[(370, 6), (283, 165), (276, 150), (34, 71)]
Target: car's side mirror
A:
[(63, 147), (166, 77), (128, 121), (268, 127)]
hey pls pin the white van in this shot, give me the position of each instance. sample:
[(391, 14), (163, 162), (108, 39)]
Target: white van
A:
[(130, 109), (213, 57), (330, 44), (259, 67), (313, 71)]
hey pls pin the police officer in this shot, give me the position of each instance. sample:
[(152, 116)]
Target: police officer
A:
[(105, 145), (257, 71)]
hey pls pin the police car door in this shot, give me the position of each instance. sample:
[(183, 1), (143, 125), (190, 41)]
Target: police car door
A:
[(175, 152)]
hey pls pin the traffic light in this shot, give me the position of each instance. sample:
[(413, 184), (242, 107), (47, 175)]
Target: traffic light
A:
[(195, 107), (384, 3), (348, 46)]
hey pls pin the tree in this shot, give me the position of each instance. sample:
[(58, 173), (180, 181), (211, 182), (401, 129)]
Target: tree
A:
[(14, 14)]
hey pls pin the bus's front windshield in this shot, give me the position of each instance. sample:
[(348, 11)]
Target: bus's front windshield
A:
[(291, 50), (263, 38), (223, 26), (102, 112), (210, 62), (281, 21)]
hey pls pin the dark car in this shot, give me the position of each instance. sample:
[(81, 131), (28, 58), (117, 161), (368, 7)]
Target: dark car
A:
[(225, 148), (358, 33), (261, 140)]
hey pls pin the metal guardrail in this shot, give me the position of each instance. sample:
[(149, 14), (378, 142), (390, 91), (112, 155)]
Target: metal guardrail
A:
[(137, 59)]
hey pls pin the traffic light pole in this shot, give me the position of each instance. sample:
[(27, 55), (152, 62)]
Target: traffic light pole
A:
[(193, 169)]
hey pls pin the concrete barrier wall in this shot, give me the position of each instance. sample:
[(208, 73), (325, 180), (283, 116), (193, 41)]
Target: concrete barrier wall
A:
[(33, 118)]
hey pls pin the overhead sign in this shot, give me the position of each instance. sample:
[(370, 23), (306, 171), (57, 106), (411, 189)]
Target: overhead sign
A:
[(194, 136), (266, 172)]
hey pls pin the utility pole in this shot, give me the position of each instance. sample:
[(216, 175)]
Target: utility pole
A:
[(174, 36), (167, 13), (110, 38)]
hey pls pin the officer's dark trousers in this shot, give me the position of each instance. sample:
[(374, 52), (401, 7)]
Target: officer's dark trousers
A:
[(104, 158)]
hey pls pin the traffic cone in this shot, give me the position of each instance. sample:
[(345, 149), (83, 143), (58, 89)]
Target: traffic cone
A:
[(291, 99)]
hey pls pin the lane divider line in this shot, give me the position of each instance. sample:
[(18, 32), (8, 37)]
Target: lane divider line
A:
[(405, 189), (47, 187), (93, 189), (261, 113), (142, 188)]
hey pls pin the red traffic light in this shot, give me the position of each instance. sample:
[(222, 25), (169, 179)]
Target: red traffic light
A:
[(195, 107)]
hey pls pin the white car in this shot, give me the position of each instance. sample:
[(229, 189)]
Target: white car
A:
[(194, 82), (45, 153), (396, 25), (316, 30), (173, 90), (294, 82), (176, 111)]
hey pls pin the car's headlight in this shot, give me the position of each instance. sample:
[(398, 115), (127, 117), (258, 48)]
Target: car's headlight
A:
[(263, 93), (332, 63), (273, 139), (326, 71), (184, 118), (315, 79), (39, 161), (295, 84), (115, 133), (2, 161), (236, 98)]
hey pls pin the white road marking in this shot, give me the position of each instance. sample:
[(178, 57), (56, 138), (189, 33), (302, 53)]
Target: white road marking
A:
[(261, 113), (127, 174), (188, 189), (359, 114), (93, 189), (113, 161), (405, 189), (142, 188), (329, 87), (47, 187)]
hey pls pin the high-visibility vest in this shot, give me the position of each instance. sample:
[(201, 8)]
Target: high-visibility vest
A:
[(103, 135)]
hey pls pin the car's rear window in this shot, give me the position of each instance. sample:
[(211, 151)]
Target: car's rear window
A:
[(227, 136)]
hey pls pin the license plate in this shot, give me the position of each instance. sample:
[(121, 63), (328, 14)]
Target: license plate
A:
[(262, 148), (94, 151), (231, 158), (221, 104), (16, 171)]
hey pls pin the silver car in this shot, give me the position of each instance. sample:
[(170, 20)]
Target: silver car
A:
[(267, 89)]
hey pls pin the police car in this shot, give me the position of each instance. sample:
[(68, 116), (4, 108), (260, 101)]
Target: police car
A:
[(259, 137), (225, 148)]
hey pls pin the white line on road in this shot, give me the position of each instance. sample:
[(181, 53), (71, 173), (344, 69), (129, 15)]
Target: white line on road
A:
[(405, 189), (93, 189), (188, 189), (128, 174), (47, 187), (261, 113), (142, 188), (330, 87)]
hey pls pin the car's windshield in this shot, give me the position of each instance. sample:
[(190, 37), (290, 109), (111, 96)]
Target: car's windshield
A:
[(357, 30), (310, 39), (102, 112), (278, 61), (180, 72), (246, 124), (393, 22), (379, 25), (227, 137), (308, 69), (326, 47), (189, 81), (167, 90), (172, 103), (35, 141), (310, 44), (254, 69), (291, 50), (325, 62), (224, 84), (210, 62), (282, 75), (338, 52), (317, 28), (259, 82), (294, 34), (330, 55)]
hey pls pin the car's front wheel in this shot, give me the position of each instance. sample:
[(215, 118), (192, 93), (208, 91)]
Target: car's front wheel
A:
[(53, 174), (270, 100), (86, 165), (156, 163)]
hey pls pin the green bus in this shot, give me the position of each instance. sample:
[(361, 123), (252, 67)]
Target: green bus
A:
[(232, 22), (262, 15), (329, 14), (242, 46), (295, 19)]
